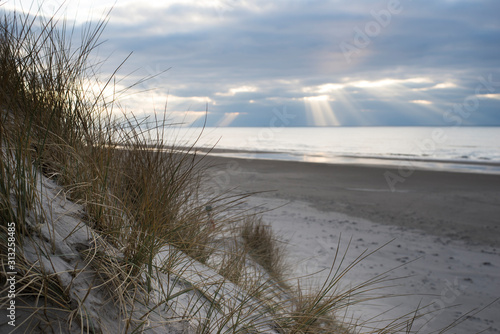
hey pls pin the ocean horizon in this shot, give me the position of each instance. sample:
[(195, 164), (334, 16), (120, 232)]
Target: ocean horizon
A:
[(466, 149)]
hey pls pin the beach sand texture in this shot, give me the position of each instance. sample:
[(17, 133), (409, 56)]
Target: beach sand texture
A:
[(442, 229)]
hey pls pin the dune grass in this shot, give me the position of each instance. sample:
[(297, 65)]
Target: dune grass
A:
[(264, 247), (139, 194), (141, 200)]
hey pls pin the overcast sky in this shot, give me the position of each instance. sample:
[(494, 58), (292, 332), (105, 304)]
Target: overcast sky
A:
[(306, 63)]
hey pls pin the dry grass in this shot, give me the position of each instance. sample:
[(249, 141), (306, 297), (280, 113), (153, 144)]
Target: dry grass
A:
[(233, 263), (264, 247), (140, 194)]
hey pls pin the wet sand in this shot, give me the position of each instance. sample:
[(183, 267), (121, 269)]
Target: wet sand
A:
[(461, 206)]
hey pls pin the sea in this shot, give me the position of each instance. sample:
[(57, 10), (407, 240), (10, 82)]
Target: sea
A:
[(461, 149)]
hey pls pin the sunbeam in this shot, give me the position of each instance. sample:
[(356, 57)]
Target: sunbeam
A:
[(228, 119), (353, 101), (319, 111)]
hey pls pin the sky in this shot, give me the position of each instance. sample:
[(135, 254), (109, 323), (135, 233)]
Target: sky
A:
[(301, 62)]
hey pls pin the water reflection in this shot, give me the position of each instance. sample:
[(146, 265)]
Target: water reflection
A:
[(325, 158)]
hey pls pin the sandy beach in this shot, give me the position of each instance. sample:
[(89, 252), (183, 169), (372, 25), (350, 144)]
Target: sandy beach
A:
[(461, 206), (442, 229)]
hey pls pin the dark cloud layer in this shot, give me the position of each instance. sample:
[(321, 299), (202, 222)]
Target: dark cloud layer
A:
[(407, 62)]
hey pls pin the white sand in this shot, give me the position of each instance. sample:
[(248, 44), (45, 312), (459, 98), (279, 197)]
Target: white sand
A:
[(180, 301), (456, 278)]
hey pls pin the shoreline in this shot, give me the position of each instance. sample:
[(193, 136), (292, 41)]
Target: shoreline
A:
[(460, 206), (480, 166)]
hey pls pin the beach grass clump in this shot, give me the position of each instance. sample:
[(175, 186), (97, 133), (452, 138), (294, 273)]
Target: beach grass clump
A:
[(138, 194), (53, 119), (232, 264), (50, 123), (264, 246)]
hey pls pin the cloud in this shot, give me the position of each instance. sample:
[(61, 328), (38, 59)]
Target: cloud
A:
[(491, 96), (244, 58), (237, 90), (426, 102)]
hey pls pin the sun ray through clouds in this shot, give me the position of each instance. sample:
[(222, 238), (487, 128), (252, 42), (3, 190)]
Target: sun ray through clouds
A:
[(320, 112), (227, 119)]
